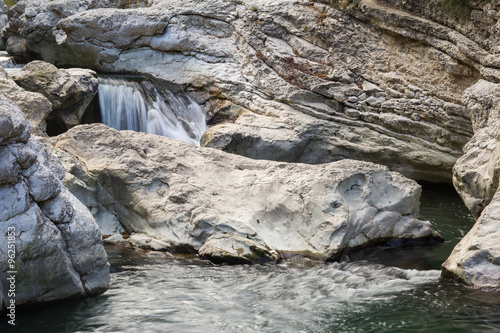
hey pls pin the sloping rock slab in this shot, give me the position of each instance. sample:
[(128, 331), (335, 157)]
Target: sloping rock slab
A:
[(475, 261), (184, 195)]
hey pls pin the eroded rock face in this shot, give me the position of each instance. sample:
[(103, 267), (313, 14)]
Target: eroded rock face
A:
[(34, 105), (301, 81), (476, 259), (69, 90), (59, 253), (476, 174), (226, 205)]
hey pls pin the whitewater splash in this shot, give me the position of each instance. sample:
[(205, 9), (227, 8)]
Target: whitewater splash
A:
[(7, 61), (135, 103)]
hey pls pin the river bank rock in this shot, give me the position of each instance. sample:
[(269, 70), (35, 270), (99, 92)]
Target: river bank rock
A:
[(201, 199), (237, 250), (295, 81), (59, 253), (34, 105), (475, 261), (69, 90), (476, 174)]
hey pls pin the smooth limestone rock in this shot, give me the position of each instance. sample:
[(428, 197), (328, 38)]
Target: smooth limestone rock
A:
[(476, 259), (69, 90), (300, 81), (224, 205), (59, 253), (476, 174), (34, 105)]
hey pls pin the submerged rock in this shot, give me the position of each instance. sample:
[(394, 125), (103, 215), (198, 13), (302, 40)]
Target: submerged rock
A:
[(59, 253), (69, 90), (207, 200), (476, 259)]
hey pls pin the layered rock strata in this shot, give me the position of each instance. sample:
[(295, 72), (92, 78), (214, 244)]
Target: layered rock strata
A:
[(228, 206), (299, 81), (58, 248)]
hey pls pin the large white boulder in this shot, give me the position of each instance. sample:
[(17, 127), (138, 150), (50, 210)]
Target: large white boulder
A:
[(184, 195)]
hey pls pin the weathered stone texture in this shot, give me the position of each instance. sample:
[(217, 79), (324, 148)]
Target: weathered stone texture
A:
[(300, 81), (204, 199), (59, 253)]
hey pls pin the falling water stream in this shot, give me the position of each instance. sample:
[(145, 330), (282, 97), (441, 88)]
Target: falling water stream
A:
[(381, 290), (138, 104), (7, 61)]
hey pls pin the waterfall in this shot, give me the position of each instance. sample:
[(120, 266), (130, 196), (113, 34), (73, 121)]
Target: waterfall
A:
[(135, 103), (7, 61)]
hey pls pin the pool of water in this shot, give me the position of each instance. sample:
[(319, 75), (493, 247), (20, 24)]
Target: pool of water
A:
[(381, 290)]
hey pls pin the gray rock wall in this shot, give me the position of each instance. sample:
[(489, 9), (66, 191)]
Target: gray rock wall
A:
[(476, 259), (302, 81), (59, 252)]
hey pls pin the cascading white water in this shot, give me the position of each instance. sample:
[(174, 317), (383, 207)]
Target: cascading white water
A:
[(7, 61), (135, 103)]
